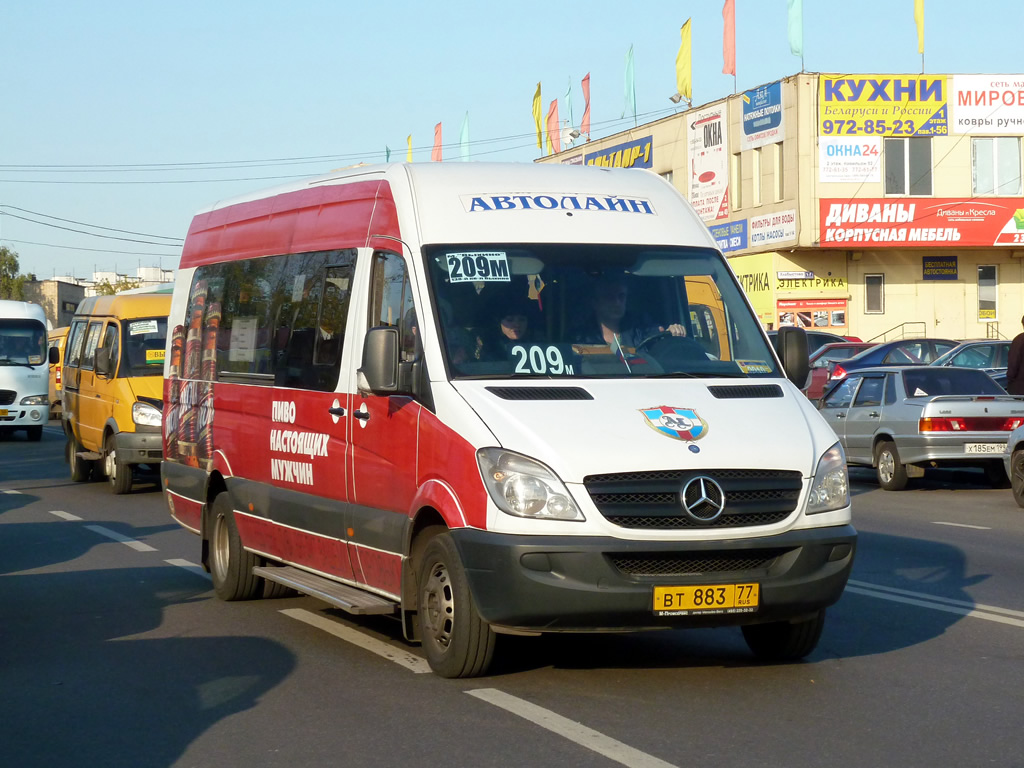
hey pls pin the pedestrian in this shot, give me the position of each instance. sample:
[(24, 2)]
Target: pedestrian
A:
[(1015, 365)]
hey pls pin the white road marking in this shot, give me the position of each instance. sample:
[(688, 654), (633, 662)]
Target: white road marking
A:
[(188, 566), (64, 515), (128, 542), (959, 607), (391, 653), (12, 492), (570, 729), (962, 525)]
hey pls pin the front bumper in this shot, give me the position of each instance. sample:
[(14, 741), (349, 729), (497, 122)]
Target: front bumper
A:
[(568, 583), (139, 447), (21, 416)]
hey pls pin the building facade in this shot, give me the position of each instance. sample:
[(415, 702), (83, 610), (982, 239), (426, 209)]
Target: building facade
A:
[(58, 299), (875, 205)]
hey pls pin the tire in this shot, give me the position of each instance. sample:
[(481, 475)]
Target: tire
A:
[(1017, 476), (456, 641), (892, 473), (783, 640), (34, 434), (81, 469), (995, 474), (118, 475), (230, 565)]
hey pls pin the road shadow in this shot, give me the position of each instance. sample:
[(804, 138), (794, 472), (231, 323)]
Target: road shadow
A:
[(81, 687)]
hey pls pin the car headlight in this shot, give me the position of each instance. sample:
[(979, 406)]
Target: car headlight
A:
[(35, 400), (524, 487), (145, 415), (830, 488)]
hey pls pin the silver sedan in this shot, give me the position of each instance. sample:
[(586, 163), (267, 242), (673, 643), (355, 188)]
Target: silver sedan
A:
[(904, 420)]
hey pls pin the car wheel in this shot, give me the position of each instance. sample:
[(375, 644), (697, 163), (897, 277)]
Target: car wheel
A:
[(456, 641), (1017, 476), (230, 564), (892, 474), (785, 640), (118, 475), (995, 474), (81, 469)]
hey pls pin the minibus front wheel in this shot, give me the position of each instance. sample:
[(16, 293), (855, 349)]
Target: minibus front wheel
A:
[(456, 641), (230, 564)]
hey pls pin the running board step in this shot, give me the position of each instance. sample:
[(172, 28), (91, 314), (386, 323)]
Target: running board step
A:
[(89, 455), (339, 595)]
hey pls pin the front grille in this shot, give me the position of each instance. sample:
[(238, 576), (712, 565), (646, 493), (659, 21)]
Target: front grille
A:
[(7, 396), (694, 563), (651, 499)]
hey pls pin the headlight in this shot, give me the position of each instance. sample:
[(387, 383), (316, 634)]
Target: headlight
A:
[(830, 488), (524, 487), (35, 400), (145, 415)]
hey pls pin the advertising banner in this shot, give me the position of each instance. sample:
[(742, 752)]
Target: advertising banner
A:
[(812, 313), (987, 104), (851, 160), (762, 116), (928, 223), (882, 105), (772, 228), (632, 154), (754, 274), (731, 236), (709, 163)]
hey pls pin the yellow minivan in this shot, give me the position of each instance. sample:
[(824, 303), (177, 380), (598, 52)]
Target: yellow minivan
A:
[(56, 339), (113, 386)]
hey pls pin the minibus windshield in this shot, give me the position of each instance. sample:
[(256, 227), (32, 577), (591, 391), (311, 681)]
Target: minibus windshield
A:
[(22, 342), (143, 342), (582, 310)]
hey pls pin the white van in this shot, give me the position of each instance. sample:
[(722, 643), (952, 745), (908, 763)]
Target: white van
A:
[(496, 399), (24, 368)]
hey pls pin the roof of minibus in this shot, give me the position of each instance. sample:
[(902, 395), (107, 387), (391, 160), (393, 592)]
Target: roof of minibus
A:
[(21, 310), (521, 202), (125, 306)]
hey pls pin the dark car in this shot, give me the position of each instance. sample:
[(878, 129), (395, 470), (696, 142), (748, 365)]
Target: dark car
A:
[(901, 352), (824, 359), (815, 340)]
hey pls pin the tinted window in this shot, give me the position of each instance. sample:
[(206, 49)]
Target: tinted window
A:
[(890, 388), (870, 392), (91, 341), (143, 346), (391, 304), (110, 342), (928, 381), (842, 395), (75, 343)]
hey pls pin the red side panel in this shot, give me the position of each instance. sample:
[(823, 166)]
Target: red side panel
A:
[(321, 218), (447, 456), (321, 553)]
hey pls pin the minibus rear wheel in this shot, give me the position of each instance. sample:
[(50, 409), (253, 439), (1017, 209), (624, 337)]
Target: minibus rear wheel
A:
[(784, 640), (230, 565), (456, 641)]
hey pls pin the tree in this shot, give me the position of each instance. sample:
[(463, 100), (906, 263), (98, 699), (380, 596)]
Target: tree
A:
[(11, 283), (123, 283)]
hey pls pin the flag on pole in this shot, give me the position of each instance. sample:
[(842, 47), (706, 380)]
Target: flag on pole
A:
[(630, 86), (919, 20), (796, 27), (435, 153), (464, 139), (408, 154), (536, 117), (684, 70), (729, 37), (387, 154), (585, 123), (554, 140)]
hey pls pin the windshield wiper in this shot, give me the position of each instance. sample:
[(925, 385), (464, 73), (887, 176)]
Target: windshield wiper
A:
[(701, 375), (8, 361)]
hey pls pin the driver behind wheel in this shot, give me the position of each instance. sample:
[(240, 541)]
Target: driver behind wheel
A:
[(611, 323)]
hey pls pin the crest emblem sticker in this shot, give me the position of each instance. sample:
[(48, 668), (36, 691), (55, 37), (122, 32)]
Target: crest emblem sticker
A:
[(677, 423)]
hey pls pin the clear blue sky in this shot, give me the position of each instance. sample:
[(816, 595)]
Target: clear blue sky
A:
[(154, 87)]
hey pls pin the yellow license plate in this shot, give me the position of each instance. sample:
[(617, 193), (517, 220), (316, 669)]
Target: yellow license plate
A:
[(706, 599), (3, 411)]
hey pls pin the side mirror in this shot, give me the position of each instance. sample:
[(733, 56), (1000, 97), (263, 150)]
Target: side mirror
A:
[(53, 355), (104, 363), (793, 354), (379, 370)]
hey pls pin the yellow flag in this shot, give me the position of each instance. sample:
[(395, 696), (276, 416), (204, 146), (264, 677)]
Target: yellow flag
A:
[(536, 116), (408, 154), (684, 80), (919, 20)]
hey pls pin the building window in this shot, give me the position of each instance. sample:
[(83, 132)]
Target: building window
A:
[(780, 178), (987, 282), (737, 181), (995, 165), (908, 166), (667, 176), (755, 179), (874, 294)]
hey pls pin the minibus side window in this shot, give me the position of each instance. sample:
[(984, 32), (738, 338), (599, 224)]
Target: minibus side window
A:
[(110, 342), (73, 349), (89, 356), (392, 303)]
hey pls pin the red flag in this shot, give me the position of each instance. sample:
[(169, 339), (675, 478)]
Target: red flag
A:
[(435, 153), (554, 134), (729, 37), (585, 125)]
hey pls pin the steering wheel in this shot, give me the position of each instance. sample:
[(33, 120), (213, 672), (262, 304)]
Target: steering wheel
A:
[(654, 337)]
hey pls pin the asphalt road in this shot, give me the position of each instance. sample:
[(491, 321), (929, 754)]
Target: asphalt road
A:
[(115, 652)]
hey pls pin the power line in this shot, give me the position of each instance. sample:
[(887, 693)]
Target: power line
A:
[(84, 232), (76, 248), (87, 224)]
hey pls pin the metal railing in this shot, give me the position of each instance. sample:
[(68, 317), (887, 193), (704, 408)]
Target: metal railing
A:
[(914, 329)]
